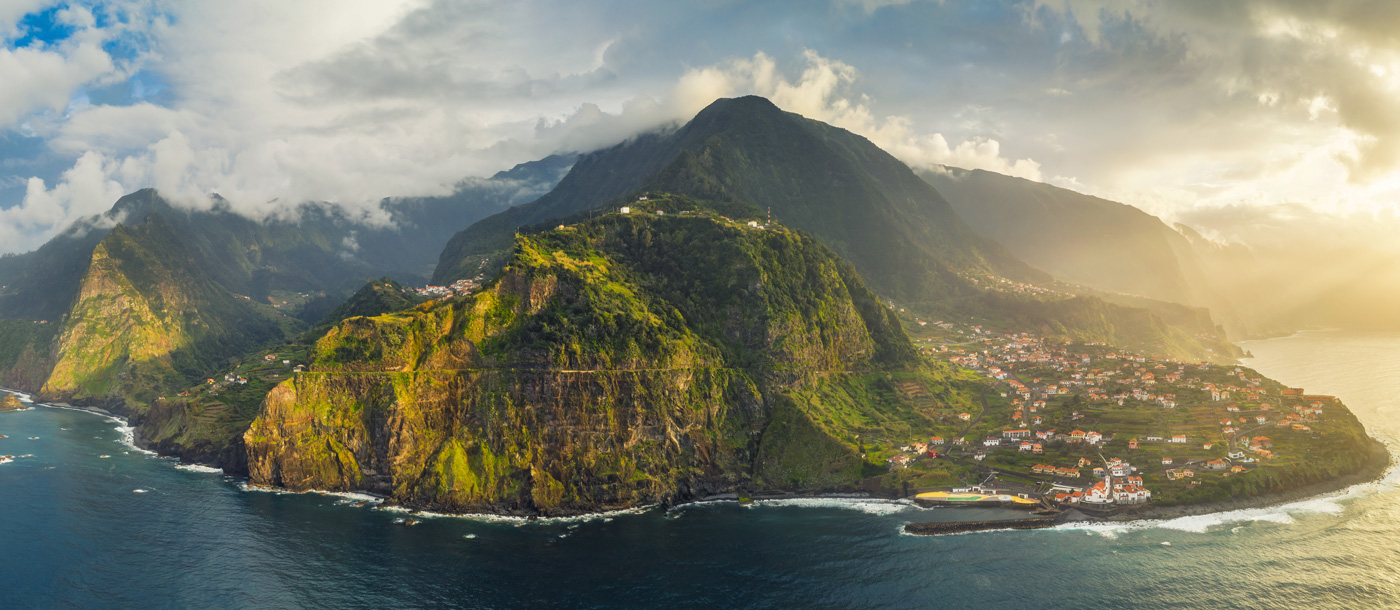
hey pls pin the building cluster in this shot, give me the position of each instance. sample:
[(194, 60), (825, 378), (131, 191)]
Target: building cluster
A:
[(1052, 383), (1001, 284), (455, 289)]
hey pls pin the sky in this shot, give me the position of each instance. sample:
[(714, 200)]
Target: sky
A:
[(1250, 120)]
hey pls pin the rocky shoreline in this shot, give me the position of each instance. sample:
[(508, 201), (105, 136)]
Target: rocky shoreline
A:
[(1377, 465)]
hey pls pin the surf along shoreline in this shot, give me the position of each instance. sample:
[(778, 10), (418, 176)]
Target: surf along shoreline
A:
[(1378, 463)]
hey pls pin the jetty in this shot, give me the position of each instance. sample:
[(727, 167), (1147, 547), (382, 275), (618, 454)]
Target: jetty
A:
[(943, 528)]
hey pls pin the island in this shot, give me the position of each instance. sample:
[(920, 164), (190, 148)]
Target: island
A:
[(9, 402)]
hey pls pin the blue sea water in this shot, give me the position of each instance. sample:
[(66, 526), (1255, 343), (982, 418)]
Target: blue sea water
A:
[(75, 532)]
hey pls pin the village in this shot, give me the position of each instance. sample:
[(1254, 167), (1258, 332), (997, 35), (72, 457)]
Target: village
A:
[(1094, 427), (455, 289)]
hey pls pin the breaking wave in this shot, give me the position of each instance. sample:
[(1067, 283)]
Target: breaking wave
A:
[(199, 468), (872, 506), (1327, 504)]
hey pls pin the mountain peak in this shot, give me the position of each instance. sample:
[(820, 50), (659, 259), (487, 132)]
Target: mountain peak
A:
[(746, 103), (725, 112)]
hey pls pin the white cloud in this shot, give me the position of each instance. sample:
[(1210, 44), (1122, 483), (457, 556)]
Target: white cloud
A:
[(280, 103), (11, 11), (824, 91), (43, 78), (85, 189)]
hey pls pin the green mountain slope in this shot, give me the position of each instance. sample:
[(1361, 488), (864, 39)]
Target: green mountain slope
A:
[(1081, 239), (205, 422), (376, 297), (863, 203), (319, 249), (145, 318), (895, 228), (621, 361), (1091, 241)]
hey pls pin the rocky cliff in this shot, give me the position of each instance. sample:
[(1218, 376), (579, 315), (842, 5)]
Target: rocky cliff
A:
[(626, 360), (144, 320)]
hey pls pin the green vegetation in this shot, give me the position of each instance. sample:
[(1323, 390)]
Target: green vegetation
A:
[(145, 320), (626, 359), (894, 228), (205, 422)]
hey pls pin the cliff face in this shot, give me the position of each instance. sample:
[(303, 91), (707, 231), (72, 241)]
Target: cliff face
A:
[(622, 361), (143, 321), (111, 326)]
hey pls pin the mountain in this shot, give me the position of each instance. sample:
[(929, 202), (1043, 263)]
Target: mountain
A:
[(895, 228), (152, 293), (317, 248), (866, 205), (1077, 238), (376, 297), (204, 422), (625, 360), (146, 317), (1090, 241)]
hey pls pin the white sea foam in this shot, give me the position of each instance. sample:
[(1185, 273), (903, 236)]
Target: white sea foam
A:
[(139, 491), (873, 506), (18, 394), (199, 468), (490, 518), (346, 497), (1110, 530), (128, 435), (350, 497), (5, 460)]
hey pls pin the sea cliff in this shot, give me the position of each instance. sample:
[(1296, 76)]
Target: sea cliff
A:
[(627, 360)]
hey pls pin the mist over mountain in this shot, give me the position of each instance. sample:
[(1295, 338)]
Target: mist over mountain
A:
[(1297, 269), (895, 228), (1095, 242), (867, 205), (314, 248)]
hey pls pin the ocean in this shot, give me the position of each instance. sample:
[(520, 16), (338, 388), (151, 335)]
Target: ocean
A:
[(131, 530)]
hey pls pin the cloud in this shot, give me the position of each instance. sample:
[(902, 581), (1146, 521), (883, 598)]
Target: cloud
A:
[(11, 11), (824, 90), (46, 78), (1172, 107), (85, 189), (406, 99), (1331, 54)]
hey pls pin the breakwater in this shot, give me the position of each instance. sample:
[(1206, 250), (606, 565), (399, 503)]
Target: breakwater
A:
[(942, 528)]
